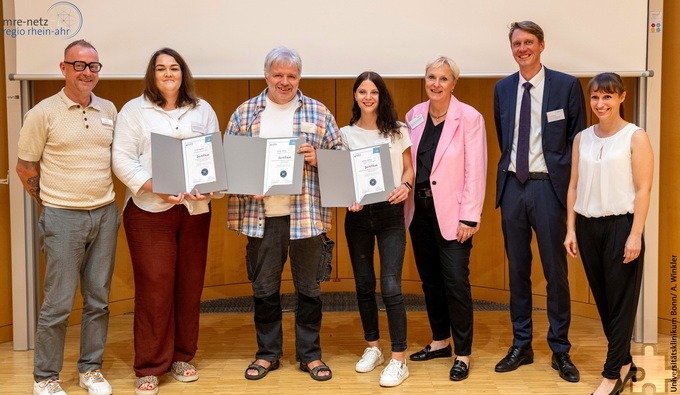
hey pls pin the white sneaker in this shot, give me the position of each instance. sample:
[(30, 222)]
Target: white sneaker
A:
[(394, 374), (95, 383), (48, 387), (372, 357)]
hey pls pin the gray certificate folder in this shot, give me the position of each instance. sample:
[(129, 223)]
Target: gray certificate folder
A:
[(336, 178), (245, 158), (168, 169)]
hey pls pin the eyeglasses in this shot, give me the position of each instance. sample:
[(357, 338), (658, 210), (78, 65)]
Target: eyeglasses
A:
[(80, 66)]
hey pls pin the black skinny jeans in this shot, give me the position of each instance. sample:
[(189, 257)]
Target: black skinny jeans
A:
[(384, 222)]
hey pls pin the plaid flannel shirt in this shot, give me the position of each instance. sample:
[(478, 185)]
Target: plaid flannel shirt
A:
[(313, 121)]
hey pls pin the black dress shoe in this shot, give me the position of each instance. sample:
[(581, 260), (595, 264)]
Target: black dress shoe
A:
[(459, 371), (425, 354), (515, 358), (562, 363)]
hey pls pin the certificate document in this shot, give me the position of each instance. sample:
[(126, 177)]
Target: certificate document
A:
[(187, 165), (363, 176), (367, 171), (279, 162), (199, 163), (261, 166)]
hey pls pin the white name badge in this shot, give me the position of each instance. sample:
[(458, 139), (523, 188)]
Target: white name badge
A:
[(107, 122), (556, 115), (416, 121), (308, 127)]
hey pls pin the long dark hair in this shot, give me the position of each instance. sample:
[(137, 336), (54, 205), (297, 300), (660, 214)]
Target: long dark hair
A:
[(388, 123), (607, 83), (187, 93)]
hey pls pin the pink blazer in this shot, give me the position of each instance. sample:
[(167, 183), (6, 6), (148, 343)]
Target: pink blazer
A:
[(458, 177)]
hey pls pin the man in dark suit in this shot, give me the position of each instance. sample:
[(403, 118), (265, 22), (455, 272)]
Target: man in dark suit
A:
[(537, 112)]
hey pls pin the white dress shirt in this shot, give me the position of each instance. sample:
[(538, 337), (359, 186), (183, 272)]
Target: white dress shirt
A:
[(536, 160)]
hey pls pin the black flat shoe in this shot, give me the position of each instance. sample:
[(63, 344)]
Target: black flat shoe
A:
[(459, 371), (425, 354), (516, 357), (562, 363)]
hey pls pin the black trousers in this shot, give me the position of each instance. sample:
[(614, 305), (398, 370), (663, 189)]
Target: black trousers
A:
[(443, 266), (615, 285)]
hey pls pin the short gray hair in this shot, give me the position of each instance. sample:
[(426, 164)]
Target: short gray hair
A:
[(444, 61), (79, 43), (282, 55)]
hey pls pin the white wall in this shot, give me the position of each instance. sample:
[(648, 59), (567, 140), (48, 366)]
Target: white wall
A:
[(335, 38)]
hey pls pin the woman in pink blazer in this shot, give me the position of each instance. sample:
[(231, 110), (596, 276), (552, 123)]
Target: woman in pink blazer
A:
[(449, 157)]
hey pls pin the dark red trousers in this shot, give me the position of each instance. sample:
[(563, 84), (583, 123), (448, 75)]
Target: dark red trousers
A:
[(169, 251)]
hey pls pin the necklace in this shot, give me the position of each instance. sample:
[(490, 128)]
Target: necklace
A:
[(436, 117)]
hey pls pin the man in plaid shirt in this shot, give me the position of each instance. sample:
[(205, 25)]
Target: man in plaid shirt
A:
[(280, 225)]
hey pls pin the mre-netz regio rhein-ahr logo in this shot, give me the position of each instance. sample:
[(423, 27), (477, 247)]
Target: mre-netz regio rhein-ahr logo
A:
[(63, 19)]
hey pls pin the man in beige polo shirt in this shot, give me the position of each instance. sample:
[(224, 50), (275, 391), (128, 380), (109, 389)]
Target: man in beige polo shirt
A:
[(65, 165)]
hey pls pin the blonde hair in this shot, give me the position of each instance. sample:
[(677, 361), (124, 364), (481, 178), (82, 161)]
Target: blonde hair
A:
[(444, 61)]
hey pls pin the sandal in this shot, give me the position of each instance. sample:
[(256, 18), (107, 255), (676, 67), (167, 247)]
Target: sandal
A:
[(146, 380), (314, 372), (178, 370), (261, 370)]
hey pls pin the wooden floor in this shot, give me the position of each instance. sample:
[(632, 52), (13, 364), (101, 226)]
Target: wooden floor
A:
[(227, 345)]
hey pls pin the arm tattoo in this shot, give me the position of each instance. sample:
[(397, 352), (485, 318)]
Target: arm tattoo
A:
[(34, 183)]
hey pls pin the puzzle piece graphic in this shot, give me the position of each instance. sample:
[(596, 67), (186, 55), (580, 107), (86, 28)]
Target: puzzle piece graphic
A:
[(654, 372)]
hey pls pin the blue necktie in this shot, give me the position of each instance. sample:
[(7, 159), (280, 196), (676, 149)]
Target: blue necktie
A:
[(522, 159)]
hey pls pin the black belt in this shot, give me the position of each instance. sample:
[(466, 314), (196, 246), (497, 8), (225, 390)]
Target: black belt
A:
[(533, 175), (424, 193)]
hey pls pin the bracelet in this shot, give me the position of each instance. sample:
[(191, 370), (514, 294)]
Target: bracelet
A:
[(408, 185)]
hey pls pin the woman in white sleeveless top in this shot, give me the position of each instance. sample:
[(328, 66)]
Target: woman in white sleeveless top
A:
[(607, 204)]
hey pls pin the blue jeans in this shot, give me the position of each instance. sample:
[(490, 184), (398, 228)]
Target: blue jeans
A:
[(265, 258), (384, 222), (78, 245), (443, 266)]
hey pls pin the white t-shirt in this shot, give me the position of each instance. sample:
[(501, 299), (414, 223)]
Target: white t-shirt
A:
[(605, 176), (355, 137), (277, 121)]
